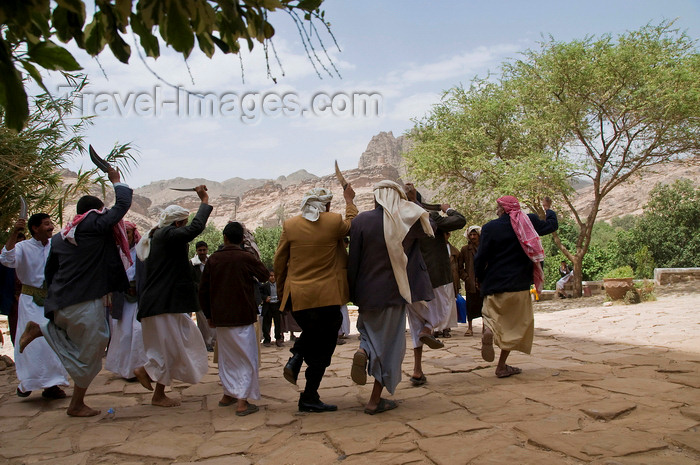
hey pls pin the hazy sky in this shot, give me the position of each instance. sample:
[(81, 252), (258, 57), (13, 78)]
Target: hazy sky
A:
[(402, 54)]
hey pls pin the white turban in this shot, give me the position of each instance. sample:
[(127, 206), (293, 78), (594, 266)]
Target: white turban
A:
[(172, 214), (168, 216), (472, 228), (314, 203), (399, 216)]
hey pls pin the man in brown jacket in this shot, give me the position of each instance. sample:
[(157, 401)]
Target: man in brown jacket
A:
[(227, 298), (312, 282)]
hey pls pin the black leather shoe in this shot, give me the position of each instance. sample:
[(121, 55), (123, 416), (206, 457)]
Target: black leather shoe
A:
[(291, 369), (316, 406)]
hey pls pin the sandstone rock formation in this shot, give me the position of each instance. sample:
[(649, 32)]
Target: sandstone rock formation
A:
[(265, 202)]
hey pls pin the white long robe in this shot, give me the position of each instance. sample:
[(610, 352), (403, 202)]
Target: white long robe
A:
[(174, 349), (38, 367), (238, 361), (126, 351), (445, 303)]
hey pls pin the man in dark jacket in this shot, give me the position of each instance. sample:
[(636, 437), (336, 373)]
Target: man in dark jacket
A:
[(386, 273), (271, 312), (226, 296), (198, 262), (84, 265), (436, 313), (174, 346), (507, 263)]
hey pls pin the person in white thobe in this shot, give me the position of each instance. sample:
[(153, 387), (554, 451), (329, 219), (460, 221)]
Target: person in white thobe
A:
[(126, 352), (37, 367)]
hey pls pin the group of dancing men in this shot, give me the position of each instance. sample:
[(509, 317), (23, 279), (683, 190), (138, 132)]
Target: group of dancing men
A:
[(397, 267)]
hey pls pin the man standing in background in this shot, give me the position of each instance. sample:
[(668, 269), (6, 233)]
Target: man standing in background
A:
[(38, 367), (198, 262), (271, 312)]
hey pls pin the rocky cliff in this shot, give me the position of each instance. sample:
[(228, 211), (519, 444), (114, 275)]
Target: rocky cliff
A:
[(265, 202)]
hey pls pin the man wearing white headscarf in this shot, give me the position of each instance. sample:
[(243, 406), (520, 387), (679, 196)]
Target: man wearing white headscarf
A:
[(311, 280), (386, 272), (174, 346)]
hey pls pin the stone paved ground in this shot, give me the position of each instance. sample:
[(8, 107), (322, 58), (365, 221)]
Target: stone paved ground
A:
[(613, 385)]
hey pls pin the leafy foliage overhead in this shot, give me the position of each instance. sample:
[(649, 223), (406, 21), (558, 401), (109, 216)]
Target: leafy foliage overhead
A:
[(30, 28)]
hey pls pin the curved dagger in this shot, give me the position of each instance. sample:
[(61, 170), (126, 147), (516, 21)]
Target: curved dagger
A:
[(22, 208), (340, 176), (98, 161)]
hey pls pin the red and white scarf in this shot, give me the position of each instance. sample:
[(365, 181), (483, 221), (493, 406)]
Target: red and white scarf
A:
[(528, 237), (119, 230)]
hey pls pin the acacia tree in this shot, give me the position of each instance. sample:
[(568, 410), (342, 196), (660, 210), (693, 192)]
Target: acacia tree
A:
[(598, 108), (28, 27)]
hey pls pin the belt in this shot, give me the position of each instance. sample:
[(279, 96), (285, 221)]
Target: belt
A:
[(33, 291)]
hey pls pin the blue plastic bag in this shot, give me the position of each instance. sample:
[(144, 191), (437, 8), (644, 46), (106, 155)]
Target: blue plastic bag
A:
[(461, 309)]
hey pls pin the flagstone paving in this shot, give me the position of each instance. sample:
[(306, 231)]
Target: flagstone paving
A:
[(606, 385)]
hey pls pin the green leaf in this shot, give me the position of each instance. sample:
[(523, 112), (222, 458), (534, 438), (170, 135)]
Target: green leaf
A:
[(149, 42), (179, 30), (122, 10), (206, 44), (120, 49), (272, 4), (34, 73), (309, 5), (76, 6), (223, 46), (51, 56), (94, 36)]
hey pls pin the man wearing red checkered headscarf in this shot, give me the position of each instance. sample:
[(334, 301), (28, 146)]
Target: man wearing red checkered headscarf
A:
[(506, 264)]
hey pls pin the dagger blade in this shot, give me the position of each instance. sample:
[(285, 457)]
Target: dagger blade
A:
[(22, 208), (99, 161), (340, 176)]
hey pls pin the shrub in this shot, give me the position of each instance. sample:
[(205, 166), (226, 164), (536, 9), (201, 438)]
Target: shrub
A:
[(620, 272)]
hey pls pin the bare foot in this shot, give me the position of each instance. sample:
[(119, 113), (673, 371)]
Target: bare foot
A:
[(82, 411), (143, 378), (31, 332), (164, 401)]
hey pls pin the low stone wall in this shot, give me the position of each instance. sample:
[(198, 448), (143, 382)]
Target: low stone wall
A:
[(675, 275)]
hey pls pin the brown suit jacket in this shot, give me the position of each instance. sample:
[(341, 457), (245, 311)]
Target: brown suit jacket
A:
[(309, 265)]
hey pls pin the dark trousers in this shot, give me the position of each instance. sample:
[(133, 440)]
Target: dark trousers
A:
[(271, 312), (319, 334)]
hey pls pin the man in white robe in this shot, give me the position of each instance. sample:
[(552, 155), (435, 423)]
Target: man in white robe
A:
[(38, 367), (227, 298), (174, 346), (126, 352)]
